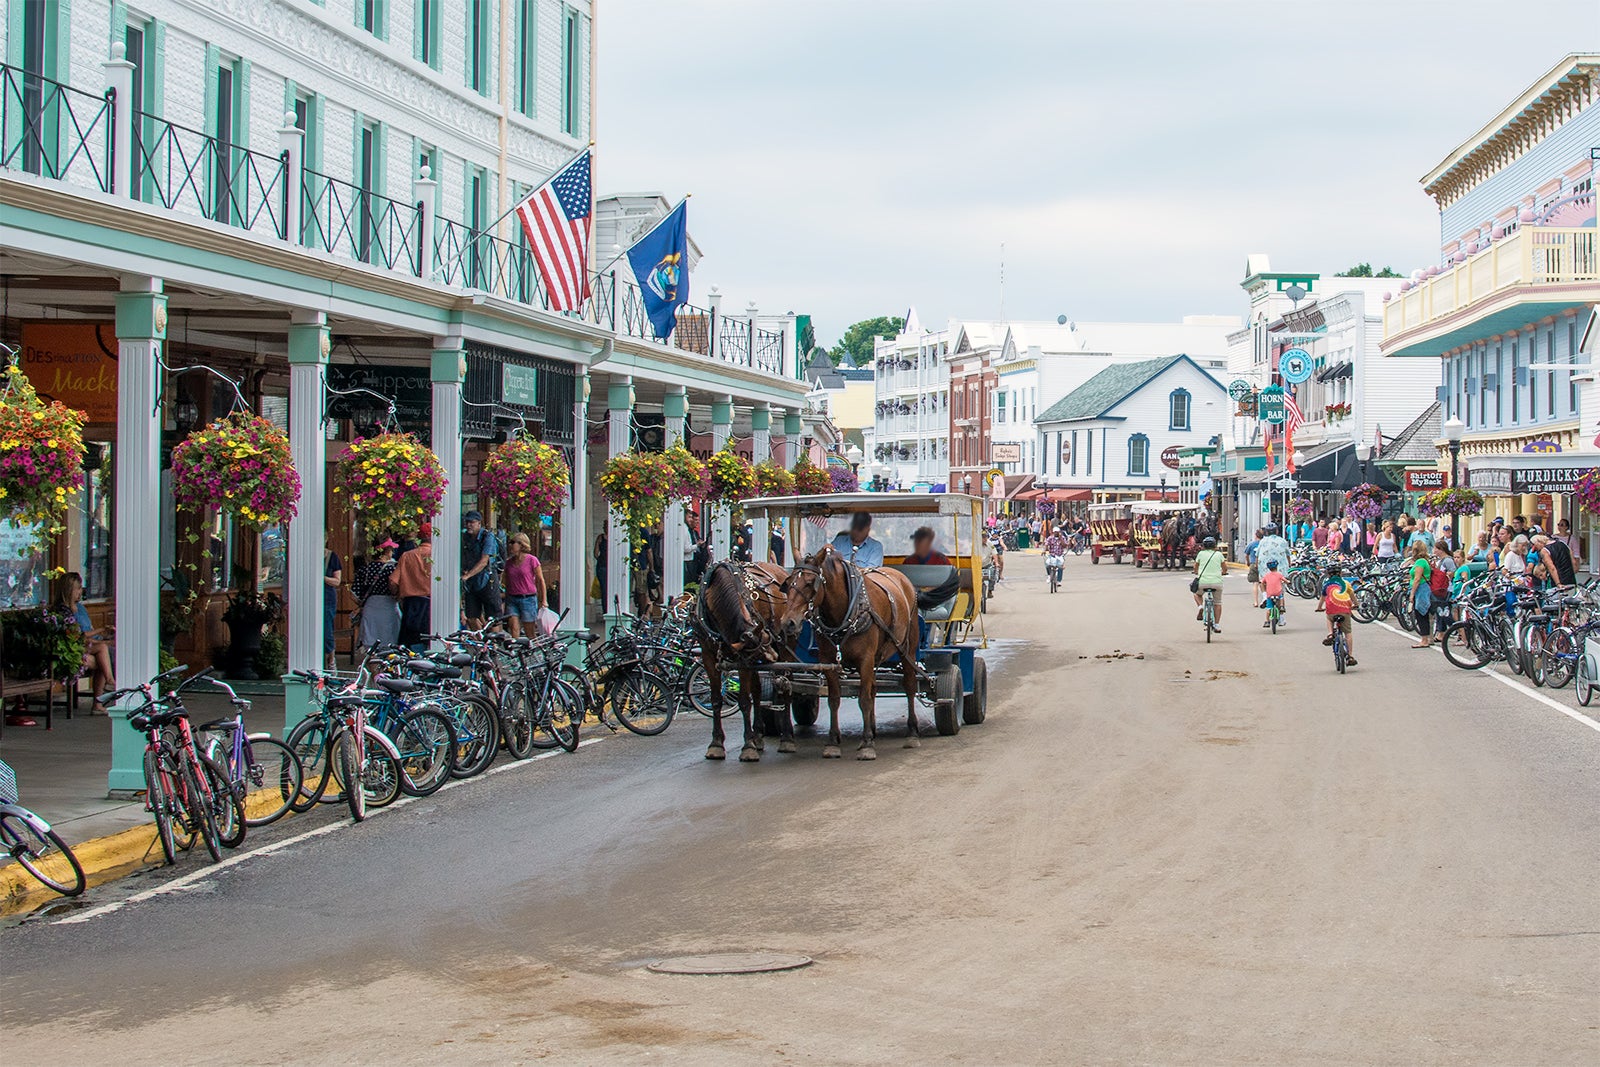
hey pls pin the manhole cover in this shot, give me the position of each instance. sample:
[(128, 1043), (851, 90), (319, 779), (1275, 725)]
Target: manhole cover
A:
[(731, 963)]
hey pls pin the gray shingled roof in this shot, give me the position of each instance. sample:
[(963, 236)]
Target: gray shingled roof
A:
[(1415, 443), (1105, 390)]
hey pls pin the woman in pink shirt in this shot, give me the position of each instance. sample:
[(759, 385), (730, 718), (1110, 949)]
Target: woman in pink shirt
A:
[(525, 589)]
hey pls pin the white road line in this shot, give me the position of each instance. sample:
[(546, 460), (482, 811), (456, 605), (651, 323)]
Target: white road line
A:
[(276, 846), (1571, 713)]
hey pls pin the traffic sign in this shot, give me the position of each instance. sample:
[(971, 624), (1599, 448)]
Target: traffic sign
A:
[(1270, 404), (1295, 366), (1239, 389)]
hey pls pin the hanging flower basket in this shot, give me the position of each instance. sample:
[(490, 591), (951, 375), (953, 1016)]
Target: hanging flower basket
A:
[(637, 485), (773, 480), (690, 478), (395, 483), (527, 480), (842, 479), (240, 464), (732, 477), (41, 457), (1587, 490), (1300, 507), (1365, 501), (1046, 509), (1451, 502), (810, 479)]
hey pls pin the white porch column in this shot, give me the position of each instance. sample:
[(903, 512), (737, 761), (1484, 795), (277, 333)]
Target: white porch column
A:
[(292, 142), (141, 330), (422, 193), (119, 79), (449, 370), (617, 592), (574, 519), (721, 430), (760, 452), (309, 344), (674, 535)]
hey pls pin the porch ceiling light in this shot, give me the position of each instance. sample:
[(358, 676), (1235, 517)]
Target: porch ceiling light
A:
[(1453, 429)]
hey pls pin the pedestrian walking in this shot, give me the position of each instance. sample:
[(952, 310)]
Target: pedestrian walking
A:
[(526, 592), (332, 576), (1386, 547), (413, 584), (480, 577), (378, 613)]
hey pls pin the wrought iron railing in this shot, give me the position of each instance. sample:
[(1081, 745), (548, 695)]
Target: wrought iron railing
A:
[(193, 172), (54, 130), (347, 220)]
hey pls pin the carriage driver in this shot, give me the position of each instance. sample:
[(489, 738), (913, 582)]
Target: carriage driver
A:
[(857, 543)]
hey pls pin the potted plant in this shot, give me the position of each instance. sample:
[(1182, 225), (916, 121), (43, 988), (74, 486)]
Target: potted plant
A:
[(1587, 490), (772, 479), (527, 480), (841, 479), (690, 479), (1300, 508), (42, 643), (636, 486), (1451, 502), (394, 482)]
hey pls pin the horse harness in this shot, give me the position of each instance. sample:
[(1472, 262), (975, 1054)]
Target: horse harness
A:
[(752, 582), (859, 616)]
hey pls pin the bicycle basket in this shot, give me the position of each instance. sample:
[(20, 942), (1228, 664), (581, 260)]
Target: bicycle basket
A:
[(8, 784)]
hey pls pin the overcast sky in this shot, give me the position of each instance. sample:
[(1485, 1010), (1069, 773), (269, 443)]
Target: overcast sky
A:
[(849, 158)]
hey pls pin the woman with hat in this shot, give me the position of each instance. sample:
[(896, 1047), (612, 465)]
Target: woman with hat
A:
[(380, 608), (525, 588)]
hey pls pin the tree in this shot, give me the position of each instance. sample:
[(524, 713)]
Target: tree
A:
[(857, 340), (1364, 270)]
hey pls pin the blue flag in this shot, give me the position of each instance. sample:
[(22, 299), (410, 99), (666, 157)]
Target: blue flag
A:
[(660, 260)]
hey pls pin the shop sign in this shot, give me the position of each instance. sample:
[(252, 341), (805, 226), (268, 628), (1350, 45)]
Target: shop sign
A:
[(1066, 451), (1169, 457), (1425, 481), (1541, 446), (1544, 479), (1270, 404), (1294, 366), (1005, 453), (1489, 481), (519, 385), (700, 445), (1239, 389), (74, 363), (411, 388)]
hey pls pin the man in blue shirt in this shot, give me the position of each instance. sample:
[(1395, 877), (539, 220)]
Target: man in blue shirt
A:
[(857, 544)]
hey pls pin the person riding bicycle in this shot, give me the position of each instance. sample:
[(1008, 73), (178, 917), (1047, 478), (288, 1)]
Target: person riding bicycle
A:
[(1209, 568), (1055, 551), (1272, 586), (1338, 597)]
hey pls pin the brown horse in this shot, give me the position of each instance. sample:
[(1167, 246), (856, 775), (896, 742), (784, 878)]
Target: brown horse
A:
[(861, 617), (736, 614)]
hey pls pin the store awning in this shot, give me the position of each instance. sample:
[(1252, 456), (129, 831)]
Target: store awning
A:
[(1064, 496), (1024, 483), (1335, 371), (1528, 472), (1031, 494)]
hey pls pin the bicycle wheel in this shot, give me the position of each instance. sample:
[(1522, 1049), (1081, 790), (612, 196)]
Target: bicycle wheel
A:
[(1583, 682), (1533, 642), (477, 736), (1466, 645), (381, 777), (425, 740), (556, 723), (202, 817), (227, 805), (1367, 604), (309, 743), (641, 702), (516, 720), (697, 684), (41, 852), (273, 778), (1559, 657), (160, 802), (348, 756), (1272, 617)]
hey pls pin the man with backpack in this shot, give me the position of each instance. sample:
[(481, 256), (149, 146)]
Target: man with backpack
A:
[(481, 561)]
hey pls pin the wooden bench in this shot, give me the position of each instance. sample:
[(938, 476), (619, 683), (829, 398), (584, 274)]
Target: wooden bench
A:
[(14, 692)]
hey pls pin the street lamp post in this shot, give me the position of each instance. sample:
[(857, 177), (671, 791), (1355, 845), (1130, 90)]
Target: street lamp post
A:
[(1163, 488), (1453, 429), (1364, 454)]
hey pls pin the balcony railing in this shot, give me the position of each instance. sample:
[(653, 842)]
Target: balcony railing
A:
[(1530, 256), (64, 134), (54, 130), (195, 173)]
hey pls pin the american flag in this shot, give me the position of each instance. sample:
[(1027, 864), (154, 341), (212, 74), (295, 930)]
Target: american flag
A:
[(1293, 416), (556, 218)]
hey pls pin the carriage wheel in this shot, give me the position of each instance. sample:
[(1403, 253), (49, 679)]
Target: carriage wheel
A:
[(1116, 556), (804, 708), (975, 705), (947, 701)]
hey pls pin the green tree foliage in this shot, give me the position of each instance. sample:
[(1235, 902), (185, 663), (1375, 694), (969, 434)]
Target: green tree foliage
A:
[(857, 340), (1364, 270)]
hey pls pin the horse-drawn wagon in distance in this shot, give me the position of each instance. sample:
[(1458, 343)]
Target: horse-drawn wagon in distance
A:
[(911, 626), (1111, 530), (1165, 533)]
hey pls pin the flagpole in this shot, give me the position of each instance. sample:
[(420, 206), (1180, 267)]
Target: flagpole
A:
[(645, 234), (489, 229)]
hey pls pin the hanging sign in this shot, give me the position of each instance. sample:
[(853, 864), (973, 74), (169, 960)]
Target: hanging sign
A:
[(1425, 481), (1239, 389), (1270, 404), (519, 385), (1295, 366), (1541, 446), (1169, 457), (75, 363)]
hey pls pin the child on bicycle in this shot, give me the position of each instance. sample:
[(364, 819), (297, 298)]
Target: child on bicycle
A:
[(1338, 597), (1272, 586)]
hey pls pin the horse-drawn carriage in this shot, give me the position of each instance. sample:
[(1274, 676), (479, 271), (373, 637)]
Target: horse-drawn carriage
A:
[(1165, 533), (843, 630), (1111, 529)]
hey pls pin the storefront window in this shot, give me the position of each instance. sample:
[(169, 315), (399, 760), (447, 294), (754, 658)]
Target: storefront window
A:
[(274, 556), (22, 568), (220, 546), (97, 575)]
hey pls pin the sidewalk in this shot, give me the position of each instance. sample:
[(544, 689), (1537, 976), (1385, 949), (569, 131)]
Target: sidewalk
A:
[(61, 773)]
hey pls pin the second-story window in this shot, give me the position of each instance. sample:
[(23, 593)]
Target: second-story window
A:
[(572, 73), (425, 32), (372, 17), (528, 57), (1572, 357), (478, 45), (1516, 380), (1550, 376), (999, 407), (1533, 381), (1178, 410), (367, 171), (1499, 383)]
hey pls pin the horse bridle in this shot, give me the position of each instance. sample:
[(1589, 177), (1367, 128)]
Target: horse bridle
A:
[(858, 614), (749, 583)]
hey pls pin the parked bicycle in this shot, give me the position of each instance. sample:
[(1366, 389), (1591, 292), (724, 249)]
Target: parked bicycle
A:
[(38, 849)]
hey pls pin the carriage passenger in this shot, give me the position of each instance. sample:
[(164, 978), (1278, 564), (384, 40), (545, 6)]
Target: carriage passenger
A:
[(922, 551), (857, 543)]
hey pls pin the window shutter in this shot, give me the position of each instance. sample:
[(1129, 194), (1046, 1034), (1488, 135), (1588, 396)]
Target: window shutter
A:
[(380, 160), (63, 28), (313, 149), (119, 23), (241, 104), (213, 58)]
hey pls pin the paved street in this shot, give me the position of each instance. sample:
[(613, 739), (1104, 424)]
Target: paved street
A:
[(1155, 851)]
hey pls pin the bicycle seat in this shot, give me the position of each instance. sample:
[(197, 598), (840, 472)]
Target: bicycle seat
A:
[(461, 659), (219, 724), (519, 643), (394, 685), (347, 700), (145, 720)]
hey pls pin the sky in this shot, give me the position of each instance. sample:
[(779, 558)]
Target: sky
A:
[(851, 158)]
